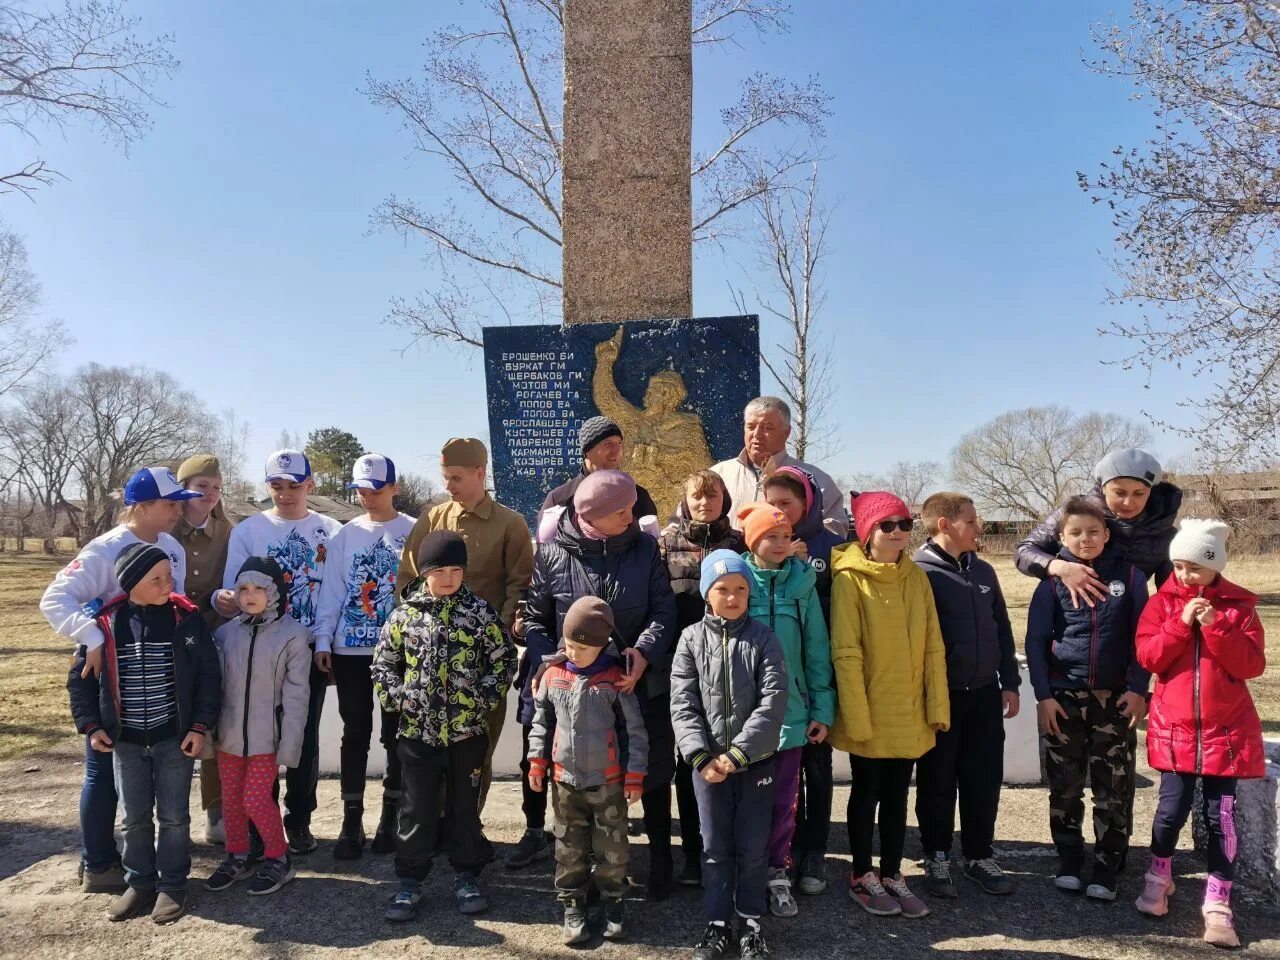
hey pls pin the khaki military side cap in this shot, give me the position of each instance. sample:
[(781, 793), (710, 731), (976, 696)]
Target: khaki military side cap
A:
[(464, 452), (201, 465)]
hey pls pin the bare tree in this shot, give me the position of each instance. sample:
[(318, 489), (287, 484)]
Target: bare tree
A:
[(414, 493), (78, 63), (912, 479), (1197, 210), (791, 245), (488, 109), (132, 417), (25, 342), (1026, 462), (43, 438)]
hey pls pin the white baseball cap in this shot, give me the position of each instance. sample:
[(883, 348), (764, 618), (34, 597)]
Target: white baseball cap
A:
[(372, 472), (291, 465)]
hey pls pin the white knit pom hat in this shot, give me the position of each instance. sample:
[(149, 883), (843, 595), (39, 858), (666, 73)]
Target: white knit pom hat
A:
[(1201, 541)]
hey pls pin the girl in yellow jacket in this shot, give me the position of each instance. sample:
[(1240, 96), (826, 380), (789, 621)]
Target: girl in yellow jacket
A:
[(891, 690)]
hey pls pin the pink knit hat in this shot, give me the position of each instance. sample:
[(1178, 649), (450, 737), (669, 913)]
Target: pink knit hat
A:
[(602, 493), (872, 507)]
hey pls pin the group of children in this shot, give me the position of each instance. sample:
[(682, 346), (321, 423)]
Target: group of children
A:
[(792, 644)]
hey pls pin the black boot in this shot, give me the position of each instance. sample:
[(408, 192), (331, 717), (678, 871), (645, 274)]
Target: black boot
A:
[(384, 838), (657, 824), (350, 845)]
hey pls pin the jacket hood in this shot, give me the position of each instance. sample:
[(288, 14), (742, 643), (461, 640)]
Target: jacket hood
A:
[(570, 538), (792, 580), (925, 556), (417, 595), (182, 607), (1220, 589), (696, 530), (278, 605), (1106, 561), (849, 556)]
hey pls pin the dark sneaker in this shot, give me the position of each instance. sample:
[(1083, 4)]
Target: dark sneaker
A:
[(273, 875), (301, 842), (384, 838), (1103, 885), (232, 870), (988, 875), (532, 846), (812, 880), (169, 906), (751, 945), (867, 892), (132, 903), (912, 906), (937, 877), (467, 889), (614, 928), (404, 904), (1068, 877), (575, 926), (110, 880), (350, 844), (714, 943), (690, 874)]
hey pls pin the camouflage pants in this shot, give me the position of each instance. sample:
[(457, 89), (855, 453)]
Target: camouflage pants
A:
[(590, 822), (1095, 745)]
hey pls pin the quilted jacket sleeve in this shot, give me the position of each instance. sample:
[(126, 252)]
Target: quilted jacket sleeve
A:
[(847, 660)]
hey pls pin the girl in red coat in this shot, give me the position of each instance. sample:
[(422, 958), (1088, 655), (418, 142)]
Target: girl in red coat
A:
[(1200, 635)]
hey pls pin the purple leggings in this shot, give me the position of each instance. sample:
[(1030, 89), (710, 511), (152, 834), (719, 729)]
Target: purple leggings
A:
[(786, 777)]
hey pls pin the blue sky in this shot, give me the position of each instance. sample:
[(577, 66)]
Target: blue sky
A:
[(232, 247)]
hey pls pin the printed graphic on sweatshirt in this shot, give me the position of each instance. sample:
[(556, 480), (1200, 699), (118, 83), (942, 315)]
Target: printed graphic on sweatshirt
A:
[(303, 564), (371, 592)]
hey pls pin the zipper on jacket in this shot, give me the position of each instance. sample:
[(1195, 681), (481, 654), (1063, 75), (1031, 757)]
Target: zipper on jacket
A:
[(1093, 648), (973, 607), (248, 685), (1195, 700), (728, 687)]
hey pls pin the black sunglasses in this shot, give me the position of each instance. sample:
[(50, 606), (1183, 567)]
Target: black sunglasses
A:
[(886, 526)]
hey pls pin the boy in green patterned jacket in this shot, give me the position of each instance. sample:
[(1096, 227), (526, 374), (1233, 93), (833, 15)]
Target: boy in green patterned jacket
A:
[(443, 663)]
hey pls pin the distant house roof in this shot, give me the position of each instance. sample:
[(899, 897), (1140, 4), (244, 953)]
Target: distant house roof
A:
[(326, 506)]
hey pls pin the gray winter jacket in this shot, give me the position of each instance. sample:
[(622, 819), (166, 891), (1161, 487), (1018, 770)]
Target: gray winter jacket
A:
[(728, 691), (266, 683), (585, 729)]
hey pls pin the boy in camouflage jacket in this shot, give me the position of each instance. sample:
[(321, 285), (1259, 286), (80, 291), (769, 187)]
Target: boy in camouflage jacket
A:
[(443, 663), (591, 735)]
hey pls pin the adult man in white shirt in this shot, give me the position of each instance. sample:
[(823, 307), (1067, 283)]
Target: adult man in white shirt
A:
[(766, 429)]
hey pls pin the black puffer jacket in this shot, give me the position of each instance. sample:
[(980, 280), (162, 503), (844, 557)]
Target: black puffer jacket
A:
[(684, 543), (1142, 541), (626, 572)]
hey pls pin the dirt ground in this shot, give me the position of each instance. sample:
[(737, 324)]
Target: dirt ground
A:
[(336, 909)]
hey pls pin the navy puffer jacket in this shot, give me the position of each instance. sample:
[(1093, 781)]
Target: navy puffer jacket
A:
[(625, 571), (1088, 648), (1143, 541)]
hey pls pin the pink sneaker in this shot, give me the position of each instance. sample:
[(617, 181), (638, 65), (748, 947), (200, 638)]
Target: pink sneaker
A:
[(1220, 926), (1154, 899), (912, 906), (868, 893)]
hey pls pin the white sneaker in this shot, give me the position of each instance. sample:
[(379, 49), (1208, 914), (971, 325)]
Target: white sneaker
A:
[(214, 832), (781, 901)]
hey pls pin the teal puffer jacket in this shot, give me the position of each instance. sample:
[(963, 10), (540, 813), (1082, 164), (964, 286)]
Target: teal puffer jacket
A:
[(786, 601)]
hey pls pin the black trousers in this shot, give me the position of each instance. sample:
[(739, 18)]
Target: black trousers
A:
[(1218, 796), (968, 759), (458, 769), (687, 805), (883, 785), (813, 807), (736, 817), (300, 781), (355, 703), (532, 803)]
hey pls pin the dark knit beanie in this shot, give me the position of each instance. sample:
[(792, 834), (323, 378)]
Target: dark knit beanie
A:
[(596, 430), (441, 548), (135, 562), (589, 621)]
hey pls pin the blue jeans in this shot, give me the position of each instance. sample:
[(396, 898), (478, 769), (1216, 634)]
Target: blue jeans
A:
[(300, 781), (98, 811), (156, 777)]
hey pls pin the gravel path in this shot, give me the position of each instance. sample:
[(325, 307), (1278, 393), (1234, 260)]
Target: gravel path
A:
[(332, 908)]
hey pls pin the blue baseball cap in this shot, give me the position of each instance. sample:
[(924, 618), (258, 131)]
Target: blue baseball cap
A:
[(291, 465), (156, 483), (372, 472)]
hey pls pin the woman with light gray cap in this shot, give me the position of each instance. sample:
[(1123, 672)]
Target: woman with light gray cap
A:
[(1141, 509)]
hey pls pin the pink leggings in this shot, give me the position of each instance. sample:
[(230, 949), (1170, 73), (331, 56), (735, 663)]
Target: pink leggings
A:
[(246, 794)]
